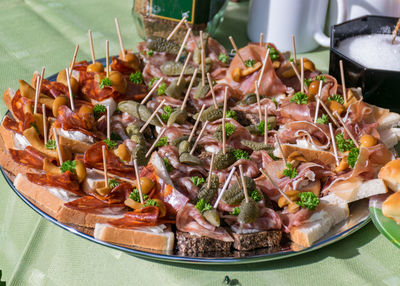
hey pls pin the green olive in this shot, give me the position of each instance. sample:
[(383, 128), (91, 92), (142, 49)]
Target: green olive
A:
[(178, 116), (212, 217), (96, 67), (249, 212)]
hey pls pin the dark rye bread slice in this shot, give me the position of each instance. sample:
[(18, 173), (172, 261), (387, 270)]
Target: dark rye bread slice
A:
[(193, 244), (250, 241)]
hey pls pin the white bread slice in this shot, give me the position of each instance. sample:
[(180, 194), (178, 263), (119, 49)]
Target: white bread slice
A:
[(391, 207), (143, 237), (319, 224), (389, 137), (7, 98), (11, 139), (355, 189), (389, 120), (390, 174)]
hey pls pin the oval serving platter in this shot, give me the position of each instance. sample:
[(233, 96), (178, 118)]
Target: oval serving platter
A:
[(359, 216)]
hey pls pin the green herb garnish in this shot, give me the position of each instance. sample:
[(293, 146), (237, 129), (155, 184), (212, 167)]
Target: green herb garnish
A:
[(136, 78), (308, 200), (231, 114), (240, 154), (321, 77), (112, 183), (223, 58), (99, 110), (162, 142), (68, 166), (256, 196), (290, 171), (167, 113), (291, 59), (308, 81), (168, 165), (273, 53), (336, 97), (324, 119), (236, 211), (343, 144), (203, 206), (229, 129), (275, 102), (261, 127), (353, 156), (151, 203), (105, 82), (197, 181), (111, 144), (161, 89), (134, 195), (299, 98), (152, 81), (249, 63), (150, 53), (51, 144)]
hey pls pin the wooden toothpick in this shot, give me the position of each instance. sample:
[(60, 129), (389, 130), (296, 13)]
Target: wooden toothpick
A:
[(223, 122), (176, 28), (343, 82), (198, 137), (188, 90), (44, 123), (225, 187), (318, 101), (258, 101), (152, 116), (138, 184), (121, 43), (263, 67), (37, 93), (265, 173), (261, 39), (211, 170), (294, 50), (203, 79), (156, 141), (183, 45), (347, 129), (153, 88), (133, 182), (212, 90), (244, 186), (296, 71), (41, 78), (327, 111), (333, 144), (266, 125), (71, 66), (302, 74), (196, 123), (107, 58), (184, 68), (91, 46), (237, 51), (108, 122), (71, 97), (103, 149), (60, 159), (280, 149)]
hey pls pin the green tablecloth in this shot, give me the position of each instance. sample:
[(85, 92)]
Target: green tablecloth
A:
[(33, 251)]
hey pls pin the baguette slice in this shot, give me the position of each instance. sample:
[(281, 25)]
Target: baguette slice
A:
[(319, 224), (391, 207), (144, 237), (390, 173)]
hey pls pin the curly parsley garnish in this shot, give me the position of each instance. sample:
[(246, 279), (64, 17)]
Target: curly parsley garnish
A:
[(229, 129), (167, 113), (136, 78), (299, 98), (320, 77), (290, 171), (256, 196), (249, 63), (236, 211), (203, 206), (337, 98), (105, 82), (273, 53), (231, 114), (134, 195), (308, 200), (162, 142), (68, 166), (353, 156), (99, 110), (151, 203), (168, 165), (223, 58), (51, 144), (111, 144), (240, 154), (197, 181), (161, 89), (261, 127), (152, 81), (150, 53), (324, 119), (308, 81), (112, 183), (343, 144)]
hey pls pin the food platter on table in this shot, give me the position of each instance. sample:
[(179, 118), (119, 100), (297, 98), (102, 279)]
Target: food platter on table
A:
[(256, 158)]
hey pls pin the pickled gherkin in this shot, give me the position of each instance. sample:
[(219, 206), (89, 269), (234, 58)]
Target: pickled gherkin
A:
[(184, 147), (212, 217), (249, 98), (135, 135), (249, 211), (163, 45), (234, 195), (223, 161), (210, 114), (256, 146), (139, 153), (201, 91), (178, 116), (172, 68), (208, 194), (174, 90), (138, 110), (178, 140), (187, 158)]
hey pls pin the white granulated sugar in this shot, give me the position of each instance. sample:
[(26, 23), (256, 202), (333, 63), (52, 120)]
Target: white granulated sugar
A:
[(373, 51)]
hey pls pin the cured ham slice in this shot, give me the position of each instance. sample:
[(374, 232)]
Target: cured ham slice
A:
[(91, 204), (268, 220), (29, 157), (67, 181)]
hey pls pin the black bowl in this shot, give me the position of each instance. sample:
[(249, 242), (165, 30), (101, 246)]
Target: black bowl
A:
[(380, 87)]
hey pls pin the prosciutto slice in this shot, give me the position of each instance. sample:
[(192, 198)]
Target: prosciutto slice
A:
[(268, 220), (189, 219)]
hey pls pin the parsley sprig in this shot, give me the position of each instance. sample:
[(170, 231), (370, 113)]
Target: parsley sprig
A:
[(256, 195), (168, 165), (112, 183), (151, 203), (324, 119), (290, 171), (249, 63), (343, 144), (105, 82), (111, 144), (299, 98), (136, 78), (162, 142), (236, 211), (167, 113), (353, 156), (231, 114), (337, 98), (162, 88), (229, 129), (223, 58), (240, 154), (68, 166), (203, 206), (308, 200), (197, 181), (99, 110), (273, 53), (134, 195), (51, 144)]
